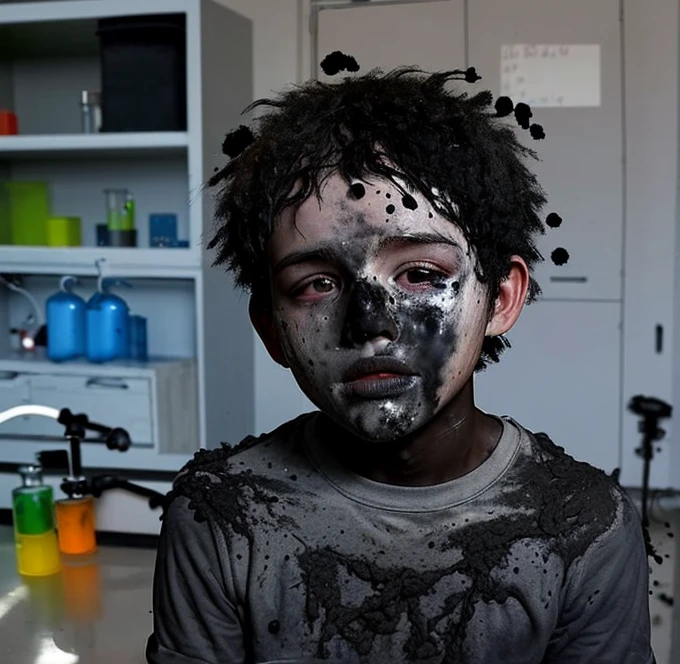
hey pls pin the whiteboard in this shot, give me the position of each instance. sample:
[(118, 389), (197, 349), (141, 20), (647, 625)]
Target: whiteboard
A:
[(554, 75)]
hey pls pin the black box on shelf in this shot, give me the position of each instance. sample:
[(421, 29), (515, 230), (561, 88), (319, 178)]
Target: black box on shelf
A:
[(143, 61)]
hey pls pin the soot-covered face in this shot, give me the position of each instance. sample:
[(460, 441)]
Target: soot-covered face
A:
[(376, 306)]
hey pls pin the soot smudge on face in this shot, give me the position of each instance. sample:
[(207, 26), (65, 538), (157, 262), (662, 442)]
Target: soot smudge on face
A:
[(409, 202), (376, 309), (357, 191), (427, 335)]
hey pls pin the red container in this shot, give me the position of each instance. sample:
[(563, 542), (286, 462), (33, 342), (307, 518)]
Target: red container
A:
[(9, 124)]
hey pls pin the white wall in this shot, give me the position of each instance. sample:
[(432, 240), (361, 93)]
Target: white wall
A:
[(651, 75)]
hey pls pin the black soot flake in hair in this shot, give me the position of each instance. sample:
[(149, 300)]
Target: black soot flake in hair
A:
[(471, 75), (523, 115), (553, 220), (235, 142), (338, 61), (536, 131), (504, 107), (560, 256)]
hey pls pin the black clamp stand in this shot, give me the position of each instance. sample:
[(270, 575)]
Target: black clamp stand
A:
[(650, 410), (76, 484)]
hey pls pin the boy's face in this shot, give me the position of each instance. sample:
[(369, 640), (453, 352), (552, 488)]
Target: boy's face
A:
[(375, 306)]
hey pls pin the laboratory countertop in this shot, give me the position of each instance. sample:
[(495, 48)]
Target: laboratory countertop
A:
[(97, 610)]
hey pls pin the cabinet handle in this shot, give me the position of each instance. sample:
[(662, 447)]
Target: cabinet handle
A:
[(9, 375), (659, 339), (574, 280), (107, 382)]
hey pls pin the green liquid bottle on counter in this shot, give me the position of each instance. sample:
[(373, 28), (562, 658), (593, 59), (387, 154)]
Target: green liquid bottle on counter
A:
[(34, 533)]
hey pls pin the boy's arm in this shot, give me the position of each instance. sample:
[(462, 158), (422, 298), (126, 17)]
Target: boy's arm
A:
[(605, 616), (194, 621)]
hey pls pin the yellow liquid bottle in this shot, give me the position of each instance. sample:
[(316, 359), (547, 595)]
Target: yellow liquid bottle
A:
[(36, 543)]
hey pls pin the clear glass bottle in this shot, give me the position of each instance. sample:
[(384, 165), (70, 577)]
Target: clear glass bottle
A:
[(90, 112), (34, 532)]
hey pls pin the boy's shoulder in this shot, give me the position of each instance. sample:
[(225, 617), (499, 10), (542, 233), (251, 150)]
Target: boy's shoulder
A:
[(571, 500), (260, 469)]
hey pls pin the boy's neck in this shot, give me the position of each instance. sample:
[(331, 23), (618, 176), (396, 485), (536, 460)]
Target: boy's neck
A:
[(458, 439)]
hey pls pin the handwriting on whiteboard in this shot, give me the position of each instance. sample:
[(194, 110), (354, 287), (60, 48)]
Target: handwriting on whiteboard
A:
[(554, 75)]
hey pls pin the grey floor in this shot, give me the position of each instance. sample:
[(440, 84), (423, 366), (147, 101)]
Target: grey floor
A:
[(96, 611)]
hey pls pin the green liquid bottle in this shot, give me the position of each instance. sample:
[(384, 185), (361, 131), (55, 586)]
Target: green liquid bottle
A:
[(34, 533)]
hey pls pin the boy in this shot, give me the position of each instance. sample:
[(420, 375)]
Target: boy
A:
[(384, 228)]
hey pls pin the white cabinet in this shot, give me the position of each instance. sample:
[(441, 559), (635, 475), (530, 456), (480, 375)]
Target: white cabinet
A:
[(562, 377), (581, 167), (430, 35)]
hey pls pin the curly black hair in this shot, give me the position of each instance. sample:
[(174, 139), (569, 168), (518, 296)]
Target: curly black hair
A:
[(405, 125)]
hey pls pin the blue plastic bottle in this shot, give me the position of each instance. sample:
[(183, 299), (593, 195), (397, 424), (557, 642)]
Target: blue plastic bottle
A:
[(65, 314), (108, 324)]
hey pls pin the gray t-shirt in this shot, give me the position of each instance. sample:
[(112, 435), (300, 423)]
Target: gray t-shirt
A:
[(274, 552)]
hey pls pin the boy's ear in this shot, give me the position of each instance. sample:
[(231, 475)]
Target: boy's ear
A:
[(261, 318), (511, 297)]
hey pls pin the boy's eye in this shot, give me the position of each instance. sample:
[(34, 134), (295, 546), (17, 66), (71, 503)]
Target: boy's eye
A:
[(421, 278), (323, 285), (315, 289)]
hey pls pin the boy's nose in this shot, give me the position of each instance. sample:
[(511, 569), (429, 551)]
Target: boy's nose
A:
[(367, 315)]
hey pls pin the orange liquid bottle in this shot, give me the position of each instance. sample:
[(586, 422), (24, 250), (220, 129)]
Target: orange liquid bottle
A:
[(76, 525)]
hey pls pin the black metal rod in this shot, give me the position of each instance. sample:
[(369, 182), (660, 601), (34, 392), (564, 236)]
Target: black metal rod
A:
[(6, 437), (99, 428), (76, 459), (647, 452)]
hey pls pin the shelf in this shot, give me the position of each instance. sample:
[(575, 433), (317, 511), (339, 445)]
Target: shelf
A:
[(92, 145), (123, 262), (37, 362), (68, 10)]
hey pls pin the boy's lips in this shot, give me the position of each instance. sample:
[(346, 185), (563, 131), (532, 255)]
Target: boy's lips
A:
[(378, 377), (381, 386), (377, 368)]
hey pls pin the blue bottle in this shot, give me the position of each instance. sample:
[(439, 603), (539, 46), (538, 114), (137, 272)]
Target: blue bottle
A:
[(108, 323), (65, 314)]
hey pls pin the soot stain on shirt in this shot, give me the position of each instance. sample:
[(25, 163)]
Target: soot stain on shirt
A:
[(215, 491), (569, 505), (559, 505)]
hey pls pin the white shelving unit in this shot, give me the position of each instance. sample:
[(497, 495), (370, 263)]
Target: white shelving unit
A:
[(93, 145), (49, 51)]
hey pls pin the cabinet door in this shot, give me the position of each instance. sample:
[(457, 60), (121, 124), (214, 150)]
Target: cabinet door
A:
[(562, 376), (582, 154), (430, 35), (114, 402), (14, 391)]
